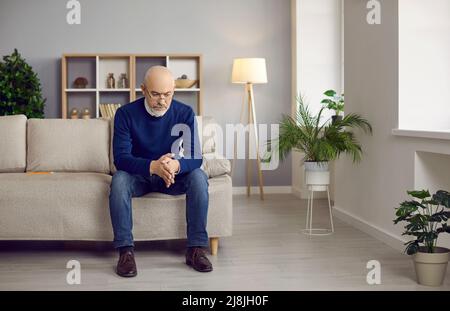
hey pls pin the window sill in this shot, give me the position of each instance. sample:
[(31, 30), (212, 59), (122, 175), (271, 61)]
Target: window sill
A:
[(442, 134)]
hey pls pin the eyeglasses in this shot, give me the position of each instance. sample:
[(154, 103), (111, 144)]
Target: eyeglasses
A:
[(155, 95)]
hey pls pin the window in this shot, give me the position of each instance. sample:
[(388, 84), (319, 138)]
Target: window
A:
[(424, 65)]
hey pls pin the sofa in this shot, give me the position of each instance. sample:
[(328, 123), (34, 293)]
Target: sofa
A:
[(55, 177)]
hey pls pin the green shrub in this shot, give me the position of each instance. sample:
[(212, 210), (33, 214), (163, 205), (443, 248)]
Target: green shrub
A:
[(20, 88)]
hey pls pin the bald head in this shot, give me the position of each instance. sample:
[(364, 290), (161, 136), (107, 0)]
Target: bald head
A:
[(158, 88), (159, 79)]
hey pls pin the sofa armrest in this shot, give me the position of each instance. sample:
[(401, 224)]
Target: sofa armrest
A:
[(214, 165)]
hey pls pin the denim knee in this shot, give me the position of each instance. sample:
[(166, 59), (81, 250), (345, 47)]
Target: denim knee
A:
[(121, 182), (197, 179)]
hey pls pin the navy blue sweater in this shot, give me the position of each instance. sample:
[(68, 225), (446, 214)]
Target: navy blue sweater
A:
[(140, 137)]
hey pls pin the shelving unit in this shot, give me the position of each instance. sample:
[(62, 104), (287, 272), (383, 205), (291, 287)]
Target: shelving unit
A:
[(95, 68)]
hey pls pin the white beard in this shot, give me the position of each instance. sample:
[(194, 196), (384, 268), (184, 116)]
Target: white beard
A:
[(157, 113), (153, 112)]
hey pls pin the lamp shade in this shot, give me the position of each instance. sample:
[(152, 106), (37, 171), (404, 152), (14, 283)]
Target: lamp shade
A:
[(249, 70)]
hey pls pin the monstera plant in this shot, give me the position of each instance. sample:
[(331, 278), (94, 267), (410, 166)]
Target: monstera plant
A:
[(426, 218)]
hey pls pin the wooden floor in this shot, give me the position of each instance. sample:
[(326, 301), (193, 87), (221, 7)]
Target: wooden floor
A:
[(266, 252)]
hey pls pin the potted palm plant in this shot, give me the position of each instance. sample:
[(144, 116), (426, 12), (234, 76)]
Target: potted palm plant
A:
[(320, 140), (334, 102), (426, 216)]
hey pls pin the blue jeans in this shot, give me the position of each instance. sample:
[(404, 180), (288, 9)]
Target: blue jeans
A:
[(125, 186)]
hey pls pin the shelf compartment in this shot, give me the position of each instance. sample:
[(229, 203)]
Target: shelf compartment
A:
[(185, 65), (81, 100), (116, 65), (81, 67), (114, 98)]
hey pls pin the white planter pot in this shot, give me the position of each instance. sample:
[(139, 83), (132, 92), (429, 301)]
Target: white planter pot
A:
[(316, 166), (317, 175), (431, 267)]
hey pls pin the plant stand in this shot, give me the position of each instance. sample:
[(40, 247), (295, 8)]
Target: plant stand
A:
[(317, 181)]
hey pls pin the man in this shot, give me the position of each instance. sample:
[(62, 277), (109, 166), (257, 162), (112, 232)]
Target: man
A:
[(146, 162)]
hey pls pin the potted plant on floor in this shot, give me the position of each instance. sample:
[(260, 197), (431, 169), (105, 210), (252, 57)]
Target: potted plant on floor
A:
[(426, 217), (321, 141), (334, 102)]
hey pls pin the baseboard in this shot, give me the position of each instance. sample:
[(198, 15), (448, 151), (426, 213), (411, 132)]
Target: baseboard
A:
[(267, 189), (371, 229)]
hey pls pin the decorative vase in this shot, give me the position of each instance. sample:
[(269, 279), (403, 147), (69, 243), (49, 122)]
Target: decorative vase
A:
[(80, 83), (86, 114), (431, 267), (111, 81), (74, 113), (123, 81)]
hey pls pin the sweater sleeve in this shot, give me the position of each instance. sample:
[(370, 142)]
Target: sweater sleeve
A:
[(122, 146), (192, 158)]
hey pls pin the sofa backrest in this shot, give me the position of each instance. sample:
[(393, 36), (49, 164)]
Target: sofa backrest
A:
[(68, 145), (13, 143)]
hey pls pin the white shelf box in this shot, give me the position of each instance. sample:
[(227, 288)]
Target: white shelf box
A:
[(116, 65), (185, 65)]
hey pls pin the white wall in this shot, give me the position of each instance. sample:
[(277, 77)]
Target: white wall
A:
[(318, 59), (367, 193), (424, 62)]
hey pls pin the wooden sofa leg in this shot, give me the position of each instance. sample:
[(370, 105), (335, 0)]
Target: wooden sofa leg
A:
[(214, 244)]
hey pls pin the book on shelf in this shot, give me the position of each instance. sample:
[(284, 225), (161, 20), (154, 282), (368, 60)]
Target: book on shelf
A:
[(108, 110), (102, 111)]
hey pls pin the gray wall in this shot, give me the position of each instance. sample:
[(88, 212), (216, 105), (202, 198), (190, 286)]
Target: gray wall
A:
[(367, 193), (220, 30)]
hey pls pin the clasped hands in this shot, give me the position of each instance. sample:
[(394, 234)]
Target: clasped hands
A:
[(165, 167)]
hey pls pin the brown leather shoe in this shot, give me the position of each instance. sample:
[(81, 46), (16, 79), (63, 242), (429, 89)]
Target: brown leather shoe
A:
[(126, 266), (196, 257)]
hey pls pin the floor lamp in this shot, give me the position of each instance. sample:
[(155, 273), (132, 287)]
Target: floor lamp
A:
[(250, 71)]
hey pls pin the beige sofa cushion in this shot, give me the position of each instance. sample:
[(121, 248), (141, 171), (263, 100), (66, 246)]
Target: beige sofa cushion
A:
[(75, 206), (65, 145), (13, 143)]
